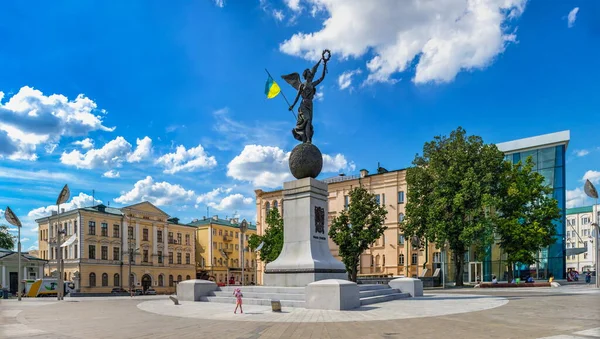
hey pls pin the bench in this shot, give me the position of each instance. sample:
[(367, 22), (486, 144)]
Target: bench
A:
[(502, 285)]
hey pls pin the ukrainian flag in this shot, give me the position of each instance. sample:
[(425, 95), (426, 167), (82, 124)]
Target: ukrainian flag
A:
[(271, 88)]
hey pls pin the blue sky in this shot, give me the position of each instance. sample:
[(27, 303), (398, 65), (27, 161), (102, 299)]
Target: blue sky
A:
[(164, 101)]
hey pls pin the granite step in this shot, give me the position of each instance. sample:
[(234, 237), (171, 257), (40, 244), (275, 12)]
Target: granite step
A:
[(383, 298), (371, 287), (383, 291), (253, 301), (264, 289), (261, 295)]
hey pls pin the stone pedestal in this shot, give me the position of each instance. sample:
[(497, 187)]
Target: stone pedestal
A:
[(408, 285), (305, 256), (332, 294), (193, 290)]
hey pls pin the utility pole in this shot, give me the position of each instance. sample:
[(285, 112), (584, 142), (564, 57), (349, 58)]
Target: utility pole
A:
[(243, 228)]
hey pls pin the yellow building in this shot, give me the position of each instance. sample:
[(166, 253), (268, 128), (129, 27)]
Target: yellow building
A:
[(97, 244), (218, 250), (392, 253)]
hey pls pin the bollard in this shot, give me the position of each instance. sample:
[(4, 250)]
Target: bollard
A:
[(276, 305)]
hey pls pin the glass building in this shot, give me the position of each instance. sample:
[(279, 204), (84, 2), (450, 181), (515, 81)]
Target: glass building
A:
[(548, 153)]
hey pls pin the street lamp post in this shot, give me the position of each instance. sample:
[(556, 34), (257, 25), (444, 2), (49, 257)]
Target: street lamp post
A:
[(62, 198), (591, 192), (131, 255), (243, 228)]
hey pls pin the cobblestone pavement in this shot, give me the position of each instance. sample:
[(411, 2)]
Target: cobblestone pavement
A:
[(566, 312)]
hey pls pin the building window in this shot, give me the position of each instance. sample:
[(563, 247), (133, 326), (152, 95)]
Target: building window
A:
[(178, 258), (179, 278), (414, 259), (220, 261), (401, 197), (170, 257), (92, 227), (160, 257), (116, 280), (170, 237), (116, 231), (116, 253), (159, 236), (92, 279), (130, 232), (372, 261), (75, 226), (585, 255), (92, 252), (214, 231), (220, 232), (585, 232), (346, 202), (145, 256), (187, 277), (104, 252), (568, 234), (179, 238), (187, 239), (104, 229), (400, 239), (145, 234), (585, 220), (275, 204), (437, 257), (383, 260), (104, 279), (267, 208), (378, 199), (75, 251), (400, 217), (161, 281), (187, 258), (401, 259), (170, 280)]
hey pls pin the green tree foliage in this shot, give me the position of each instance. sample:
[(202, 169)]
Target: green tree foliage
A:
[(7, 240), (272, 237), (526, 210), (354, 230), (451, 190)]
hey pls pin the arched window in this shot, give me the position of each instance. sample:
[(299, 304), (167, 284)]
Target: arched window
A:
[(104, 279), (275, 204), (267, 208), (116, 280), (372, 260), (187, 277), (401, 217), (178, 278), (401, 259), (214, 261), (377, 261), (414, 259), (170, 280), (161, 280), (92, 279)]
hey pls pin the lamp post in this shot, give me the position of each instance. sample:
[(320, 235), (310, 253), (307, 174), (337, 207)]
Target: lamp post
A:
[(131, 255), (14, 220), (591, 192), (64, 195), (243, 228)]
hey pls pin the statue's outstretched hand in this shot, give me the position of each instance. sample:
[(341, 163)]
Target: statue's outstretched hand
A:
[(291, 108)]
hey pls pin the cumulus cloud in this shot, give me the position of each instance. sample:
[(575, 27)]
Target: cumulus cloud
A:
[(440, 37), (319, 95), (231, 202), (572, 17), (85, 143), (593, 176), (576, 197), (78, 201), (112, 154), (212, 195), (111, 174), (30, 118), (158, 193), (345, 79), (33, 247), (42, 175), (267, 166), (186, 160), (581, 153)]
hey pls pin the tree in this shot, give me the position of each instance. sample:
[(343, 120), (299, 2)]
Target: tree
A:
[(450, 194), (526, 211), (357, 228), (7, 240), (272, 238)]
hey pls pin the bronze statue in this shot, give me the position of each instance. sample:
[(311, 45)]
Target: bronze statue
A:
[(304, 128)]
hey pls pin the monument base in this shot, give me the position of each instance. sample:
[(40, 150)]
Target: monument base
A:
[(299, 279)]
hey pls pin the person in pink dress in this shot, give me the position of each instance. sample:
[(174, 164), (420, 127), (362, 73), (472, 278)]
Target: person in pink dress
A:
[(237, 293)]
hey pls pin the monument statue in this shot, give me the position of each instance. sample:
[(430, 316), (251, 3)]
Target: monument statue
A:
[(306, 160)]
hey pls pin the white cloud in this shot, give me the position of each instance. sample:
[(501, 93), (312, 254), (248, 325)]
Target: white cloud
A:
[(50, 148), (268, 166), (442, 37), (293, 5), (30, 119), (581, 153), (231, 203), (112, 154), (158, 193), (78, 201), (572, 16), (111, 174), (212, 195), (43, 175), (278, 15), (25, 239), (33, 247), (85, 143), (220, 3), (576, 197), (593, 176), (142, 151), (319, 96), (345, 79), (186, 160)]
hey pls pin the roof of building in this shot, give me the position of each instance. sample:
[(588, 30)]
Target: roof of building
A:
[(577, 210), (6, 252), (217, 221), (540, 141)]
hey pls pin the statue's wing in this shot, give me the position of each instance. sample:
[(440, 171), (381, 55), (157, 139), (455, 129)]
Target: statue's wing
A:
[(293, 79)]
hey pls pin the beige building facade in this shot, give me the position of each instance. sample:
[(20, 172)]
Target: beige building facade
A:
[(580, 237), (392, 254), (96, 248)]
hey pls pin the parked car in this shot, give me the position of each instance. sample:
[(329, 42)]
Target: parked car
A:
[(137, 291), (150, 291), (118, 290)]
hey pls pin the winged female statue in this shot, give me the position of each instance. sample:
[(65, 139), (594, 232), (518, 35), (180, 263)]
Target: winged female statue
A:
[(307, 90)]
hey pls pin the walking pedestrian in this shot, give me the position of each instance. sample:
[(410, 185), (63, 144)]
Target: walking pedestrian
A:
[(237, 293)]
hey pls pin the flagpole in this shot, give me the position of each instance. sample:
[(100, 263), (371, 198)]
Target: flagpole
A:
[(281, 91)]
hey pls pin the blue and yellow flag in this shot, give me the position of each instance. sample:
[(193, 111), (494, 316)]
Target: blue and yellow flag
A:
[(271, 88)]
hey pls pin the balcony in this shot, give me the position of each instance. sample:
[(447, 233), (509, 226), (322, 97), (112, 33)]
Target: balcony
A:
[(226, 238)]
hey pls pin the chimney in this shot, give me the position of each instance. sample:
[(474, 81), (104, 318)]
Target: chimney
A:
[(54, 213), (62, 210), (363, 173)]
